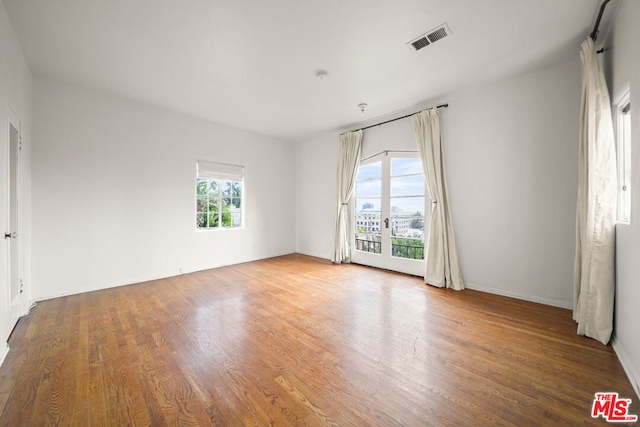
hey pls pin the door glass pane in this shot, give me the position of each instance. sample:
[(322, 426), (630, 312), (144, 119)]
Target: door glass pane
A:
[(401, 167), (407, 227), (369, 228), (412, 185), (407, 208), (368, 221), (369, 188), (372, 170)]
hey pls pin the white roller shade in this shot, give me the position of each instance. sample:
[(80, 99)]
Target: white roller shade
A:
[(219, 171)]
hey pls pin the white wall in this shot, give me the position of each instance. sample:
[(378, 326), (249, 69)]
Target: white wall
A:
[(15, 96), (114, 192), (511, 153), (316, 169), (512, 150), (621, 56)]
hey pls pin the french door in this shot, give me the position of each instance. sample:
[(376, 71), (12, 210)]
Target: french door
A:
[(389, 213)]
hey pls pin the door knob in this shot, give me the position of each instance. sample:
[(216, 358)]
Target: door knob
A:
[(10, 235)]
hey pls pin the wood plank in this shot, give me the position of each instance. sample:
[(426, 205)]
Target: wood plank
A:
[(296, 340)]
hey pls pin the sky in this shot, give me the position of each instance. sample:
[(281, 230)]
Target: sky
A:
[(406, 185)]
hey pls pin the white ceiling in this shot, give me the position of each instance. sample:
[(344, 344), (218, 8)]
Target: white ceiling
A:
[(252, 64)]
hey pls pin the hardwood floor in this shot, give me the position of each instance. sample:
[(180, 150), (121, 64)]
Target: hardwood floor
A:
[(295, 340)]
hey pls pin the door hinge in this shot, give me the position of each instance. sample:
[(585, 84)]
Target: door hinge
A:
[(21, 285)]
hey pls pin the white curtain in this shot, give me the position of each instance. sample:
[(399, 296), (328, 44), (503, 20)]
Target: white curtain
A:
[(441, 256), (348, 163), (594, 271)]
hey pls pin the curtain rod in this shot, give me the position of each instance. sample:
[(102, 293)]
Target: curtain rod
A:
[(594, 33), (393, 120)]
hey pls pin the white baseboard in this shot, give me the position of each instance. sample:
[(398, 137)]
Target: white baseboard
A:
[(488, 289), (314, 254), (633, 376), (4, 350), (519, 295), (135, 280), (27, 311)]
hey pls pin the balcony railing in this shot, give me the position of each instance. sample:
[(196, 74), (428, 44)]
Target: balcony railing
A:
[(397, 250), (368, 246), (407, 251)]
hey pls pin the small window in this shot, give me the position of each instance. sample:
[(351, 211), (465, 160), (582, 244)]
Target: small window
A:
[(219, 195), (623, 113)]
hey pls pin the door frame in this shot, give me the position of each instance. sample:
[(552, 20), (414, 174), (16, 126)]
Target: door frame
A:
[(385, 260), (14, 305)]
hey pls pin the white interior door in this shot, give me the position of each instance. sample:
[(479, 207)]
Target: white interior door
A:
[(389, 220), (11, 237)]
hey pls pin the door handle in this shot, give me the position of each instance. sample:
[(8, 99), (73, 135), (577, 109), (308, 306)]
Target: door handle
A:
[(10, 235), (386, 223)]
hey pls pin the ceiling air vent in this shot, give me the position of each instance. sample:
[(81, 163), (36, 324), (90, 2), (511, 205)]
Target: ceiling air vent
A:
[(430, 37)]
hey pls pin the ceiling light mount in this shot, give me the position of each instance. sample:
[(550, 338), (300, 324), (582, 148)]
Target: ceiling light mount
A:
[(362, 106), (322, 75)]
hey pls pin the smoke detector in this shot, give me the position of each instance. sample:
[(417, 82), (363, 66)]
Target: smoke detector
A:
[(430, 37)]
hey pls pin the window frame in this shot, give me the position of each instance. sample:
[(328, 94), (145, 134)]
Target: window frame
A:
[(623, 157), (225, 176)]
